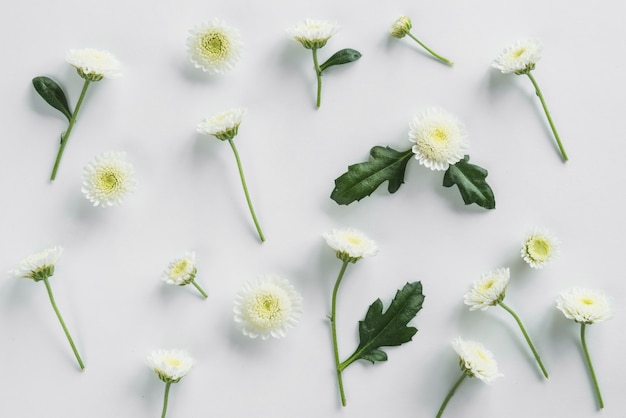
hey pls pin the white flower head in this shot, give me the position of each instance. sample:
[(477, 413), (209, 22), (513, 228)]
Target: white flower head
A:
[(520, 57), (223, 126), (182, 270), (313, 34), (476, 360), (267, 307), (38, 266), (585, 306), (170, 365), (540, 247), (439, 137), (107, 179), (401, 27), (488, 290), (350, 244), (214, 46), (92, 64)]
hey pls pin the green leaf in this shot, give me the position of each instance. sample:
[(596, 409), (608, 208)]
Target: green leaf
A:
[(385, 164), (53, 94), (470, 179), (390, 328), (341, 57)]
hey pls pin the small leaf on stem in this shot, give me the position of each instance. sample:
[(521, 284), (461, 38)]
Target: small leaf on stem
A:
[(343, 56), (53, 94), (470, 179)]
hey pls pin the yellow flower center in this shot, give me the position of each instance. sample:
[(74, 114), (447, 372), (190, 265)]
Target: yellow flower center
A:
[(518, 52), (482, 355), (587, 301), (180, 268), (172, 362), (108, 181), (439, 134), (215, 45), (539, 249), (354, 240), (488, 285), (267, 307)]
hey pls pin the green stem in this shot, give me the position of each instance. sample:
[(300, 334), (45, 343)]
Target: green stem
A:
[(449, 396), (593, 373), (333, 320), (318, 73), (532, 347), (165, 398), (66, 136), (245, 189), (67, 333), (439, 57), (547, 112), (200, 289)]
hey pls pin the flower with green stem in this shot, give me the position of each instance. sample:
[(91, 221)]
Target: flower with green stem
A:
[(313, 35), (182, 271), (350, 245), (267, 307), (521, 58), (402, 27), (92, 65), (475, 361), (586, 307), (490, 290), (40, 267), (170, 366), (225, 126), (540, 247)]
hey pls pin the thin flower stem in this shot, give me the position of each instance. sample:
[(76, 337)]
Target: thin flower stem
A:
[(66, 136), (593, 373), (67, 333), (439, 57), (318, 73), (449, 396), (245, 189), (165, 398), (547, 112), (200, 289), (333, 320), (530, 344)]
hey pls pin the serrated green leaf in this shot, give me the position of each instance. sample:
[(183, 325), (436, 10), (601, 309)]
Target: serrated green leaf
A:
[(385, 164), (343, 56), (470, 179), (390, 328), (53, 94)]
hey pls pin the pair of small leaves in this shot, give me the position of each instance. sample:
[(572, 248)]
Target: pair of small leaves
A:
[(390, 328), (343, 56), (53, 94), (387, 164)]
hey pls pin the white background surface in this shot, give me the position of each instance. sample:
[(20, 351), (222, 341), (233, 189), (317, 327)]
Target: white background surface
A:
[(108, 285)]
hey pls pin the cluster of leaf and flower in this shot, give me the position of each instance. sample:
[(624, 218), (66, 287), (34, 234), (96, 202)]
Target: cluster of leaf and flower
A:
[(439, 143)]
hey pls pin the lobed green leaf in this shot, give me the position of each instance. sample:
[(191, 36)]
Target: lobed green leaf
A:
[(385, 164), (470, 180), (53, 94), (343, 56)]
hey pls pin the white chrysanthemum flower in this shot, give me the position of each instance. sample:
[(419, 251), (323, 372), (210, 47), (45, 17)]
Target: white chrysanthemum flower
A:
[(38, 266), (439, 138), (214, 46), (182, 270), (476, 360), (585, 306), (313, 33), (170, 365), (488, 290), (107, 179), (267, 307), (224, 125), (92, 64), (350, 244), (520, 57), (401, 27), (539, 248)]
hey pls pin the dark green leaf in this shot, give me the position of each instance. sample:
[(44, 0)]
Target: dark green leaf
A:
[(341, 57), (53, 94), (385, 164), (388, 329), (470, 179)]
